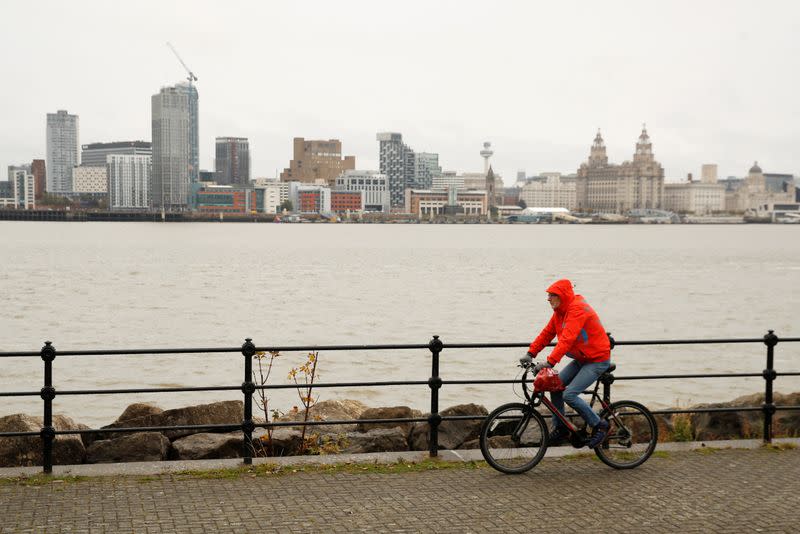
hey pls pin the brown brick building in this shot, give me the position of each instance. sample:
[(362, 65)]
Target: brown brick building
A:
[(317, 160), (39, 177)]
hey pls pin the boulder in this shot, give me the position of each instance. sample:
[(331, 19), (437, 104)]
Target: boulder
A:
[(224, 412), (452, 434), (68, 449), (393, 412), (284, 442), (206, 445), (329, 410), (138, 409), (375, 440), (737, 425), (137, 447)]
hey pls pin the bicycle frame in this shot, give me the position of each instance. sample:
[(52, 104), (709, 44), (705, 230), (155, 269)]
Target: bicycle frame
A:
[(541, 398)]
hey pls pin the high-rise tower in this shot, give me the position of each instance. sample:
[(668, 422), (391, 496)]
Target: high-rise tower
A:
[(175, 150), (62, 151), (232, 161)]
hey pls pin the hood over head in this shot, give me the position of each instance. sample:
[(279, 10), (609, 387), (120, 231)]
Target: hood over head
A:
[(562, 288)]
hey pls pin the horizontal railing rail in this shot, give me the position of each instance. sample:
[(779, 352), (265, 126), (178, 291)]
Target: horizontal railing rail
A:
[(435, 382)]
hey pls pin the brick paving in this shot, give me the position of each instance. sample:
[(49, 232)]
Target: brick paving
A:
[(708, 491)]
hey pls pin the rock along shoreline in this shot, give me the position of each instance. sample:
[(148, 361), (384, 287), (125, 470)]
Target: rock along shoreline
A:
[(350, 438)]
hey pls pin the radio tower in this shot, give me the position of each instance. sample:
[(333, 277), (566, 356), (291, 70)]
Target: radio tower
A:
[(486, 153)]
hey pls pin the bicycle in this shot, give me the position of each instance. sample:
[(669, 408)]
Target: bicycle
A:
[(514, 437)]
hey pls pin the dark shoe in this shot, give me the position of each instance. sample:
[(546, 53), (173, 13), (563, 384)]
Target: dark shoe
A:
[(599, 434), (557, 437)]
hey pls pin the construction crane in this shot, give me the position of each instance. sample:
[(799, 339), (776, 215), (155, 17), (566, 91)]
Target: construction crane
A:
[(192, 77), (193, 164)]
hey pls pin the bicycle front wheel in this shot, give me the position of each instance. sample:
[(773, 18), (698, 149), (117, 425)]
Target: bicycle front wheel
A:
[(632, 435), (513, 438)]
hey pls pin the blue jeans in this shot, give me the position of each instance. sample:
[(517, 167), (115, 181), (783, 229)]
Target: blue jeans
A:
[(577, 377)]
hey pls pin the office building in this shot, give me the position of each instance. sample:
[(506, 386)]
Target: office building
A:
[(428, 203), (426, 169), (175, 165), (62, 151), (95, 154), (232, 162), (550, 193), (90, 180), (317, 162), (373, 184), (21, 193), (230, 199), (313, 199), (129, 181)]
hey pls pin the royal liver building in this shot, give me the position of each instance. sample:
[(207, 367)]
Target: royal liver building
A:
[(610, 188)]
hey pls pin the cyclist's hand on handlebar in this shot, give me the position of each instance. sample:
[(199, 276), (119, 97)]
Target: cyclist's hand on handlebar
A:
[(541, 365), (527, 360)]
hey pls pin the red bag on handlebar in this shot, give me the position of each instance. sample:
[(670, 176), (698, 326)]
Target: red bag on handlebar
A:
[(548, 380)]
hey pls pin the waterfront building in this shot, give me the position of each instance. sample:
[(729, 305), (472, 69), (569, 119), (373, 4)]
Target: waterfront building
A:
[(448, 180), (396, 162), (421, 202), (604, 187), (129, 181), (39, 171), (21, 193), (373, 184), (755, 193), (95, 154), (347, 201), (317, 161), (551, 192), (696, 198), (232, 162), (426, 168), (313, 199), (230, 199), (207, 176), (175, 152), (275, 193), (62, 151), (90, 180)]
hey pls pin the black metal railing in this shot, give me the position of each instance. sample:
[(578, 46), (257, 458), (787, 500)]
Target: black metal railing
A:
[(435, 382)]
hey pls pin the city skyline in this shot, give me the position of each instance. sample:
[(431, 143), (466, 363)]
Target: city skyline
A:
[(710, 91)]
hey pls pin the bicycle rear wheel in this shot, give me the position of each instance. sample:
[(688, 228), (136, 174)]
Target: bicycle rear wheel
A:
[(513, 438), (632, 435)]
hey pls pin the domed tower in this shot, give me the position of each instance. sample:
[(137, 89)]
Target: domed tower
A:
[(644, 148), (755, 181), (597, 154)]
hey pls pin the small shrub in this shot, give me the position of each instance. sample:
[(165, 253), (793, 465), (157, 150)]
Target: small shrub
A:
[(682, 427)]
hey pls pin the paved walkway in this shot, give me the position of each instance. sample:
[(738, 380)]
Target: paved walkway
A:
[(710, 490)]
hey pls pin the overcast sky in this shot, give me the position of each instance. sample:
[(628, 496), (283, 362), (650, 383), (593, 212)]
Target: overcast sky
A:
[(715, 81)]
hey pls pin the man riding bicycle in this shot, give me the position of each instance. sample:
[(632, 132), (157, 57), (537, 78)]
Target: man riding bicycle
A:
[(582, 338)]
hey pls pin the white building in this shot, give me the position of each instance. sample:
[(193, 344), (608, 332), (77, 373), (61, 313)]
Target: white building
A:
[(22, 188), (313, 199), (275, 194), (129, 181), (62, 151), (373, 184), (551, 193), (698, 198), (87, 179)]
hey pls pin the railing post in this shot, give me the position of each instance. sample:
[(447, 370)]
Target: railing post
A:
[(770, 340), (248, 388), (609, 377), (48, 393), (435, 383)]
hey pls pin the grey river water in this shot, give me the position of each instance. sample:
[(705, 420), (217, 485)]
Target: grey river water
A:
[(150, 285)]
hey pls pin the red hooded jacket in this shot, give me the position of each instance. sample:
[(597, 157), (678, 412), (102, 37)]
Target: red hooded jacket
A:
[(577, 326)]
